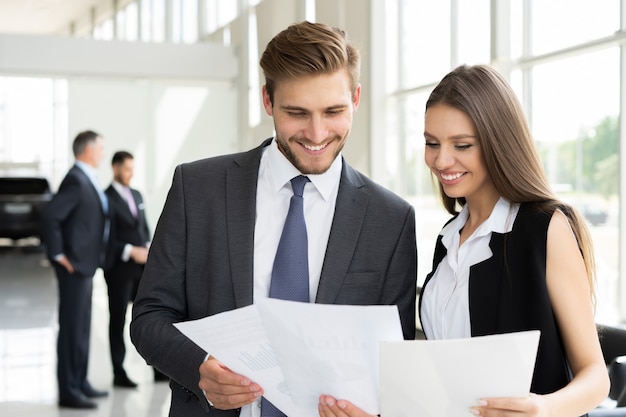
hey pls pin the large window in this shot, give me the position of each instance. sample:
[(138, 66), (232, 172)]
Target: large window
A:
[(576, 130), (566, 75), (33, 126)]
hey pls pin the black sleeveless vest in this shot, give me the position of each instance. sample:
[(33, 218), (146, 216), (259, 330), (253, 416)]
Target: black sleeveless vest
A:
[(508, 293)]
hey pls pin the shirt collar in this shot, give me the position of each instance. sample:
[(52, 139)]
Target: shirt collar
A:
[(501, 217), (499, 221), (282, 171), (121, 189), (91, 172)]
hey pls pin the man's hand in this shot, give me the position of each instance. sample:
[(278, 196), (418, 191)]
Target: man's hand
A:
[(139, 254), (225, 389), (65, 263)]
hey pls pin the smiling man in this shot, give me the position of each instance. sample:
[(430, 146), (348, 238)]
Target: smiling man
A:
[(226, 235)]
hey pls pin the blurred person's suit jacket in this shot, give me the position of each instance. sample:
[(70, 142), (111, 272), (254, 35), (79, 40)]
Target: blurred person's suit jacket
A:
[(122, 276), (73, 224)]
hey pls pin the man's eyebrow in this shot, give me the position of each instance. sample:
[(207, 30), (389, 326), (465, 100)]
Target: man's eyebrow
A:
[(337, 107), (291, 107)]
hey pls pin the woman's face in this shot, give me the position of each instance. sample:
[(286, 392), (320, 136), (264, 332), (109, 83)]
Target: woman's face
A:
[(453, 153)]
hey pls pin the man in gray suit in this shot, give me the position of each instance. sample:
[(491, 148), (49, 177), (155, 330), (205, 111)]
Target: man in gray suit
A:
[(217, 237)]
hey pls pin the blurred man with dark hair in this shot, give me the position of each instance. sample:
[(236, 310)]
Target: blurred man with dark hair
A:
[(130, 251)]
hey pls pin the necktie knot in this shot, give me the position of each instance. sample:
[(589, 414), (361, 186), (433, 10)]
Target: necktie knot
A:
[(298, 183)]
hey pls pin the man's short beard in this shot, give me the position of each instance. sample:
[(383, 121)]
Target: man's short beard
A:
[(291, 157)]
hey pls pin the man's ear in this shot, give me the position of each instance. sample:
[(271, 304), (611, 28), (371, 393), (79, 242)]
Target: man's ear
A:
[(356, 97), (267, 102)]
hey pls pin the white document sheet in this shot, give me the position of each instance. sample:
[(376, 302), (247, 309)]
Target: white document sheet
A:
[(444, 378), (298, 351)]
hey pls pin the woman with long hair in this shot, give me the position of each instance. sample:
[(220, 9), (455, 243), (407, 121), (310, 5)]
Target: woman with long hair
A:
[(513, 257)]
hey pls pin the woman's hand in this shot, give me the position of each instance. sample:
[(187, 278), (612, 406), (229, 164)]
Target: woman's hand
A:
[(533, 405), (331, 407)]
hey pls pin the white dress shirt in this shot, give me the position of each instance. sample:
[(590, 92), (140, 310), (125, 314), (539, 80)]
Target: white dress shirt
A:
[(445, 301), (92, 174), (272, 204)]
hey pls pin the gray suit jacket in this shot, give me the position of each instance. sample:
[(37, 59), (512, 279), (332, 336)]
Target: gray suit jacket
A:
[(201, 261)]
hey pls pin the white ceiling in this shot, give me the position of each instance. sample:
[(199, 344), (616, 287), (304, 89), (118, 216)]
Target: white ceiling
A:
[(42, 17)]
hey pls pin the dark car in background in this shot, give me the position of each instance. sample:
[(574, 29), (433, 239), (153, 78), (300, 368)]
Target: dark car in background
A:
[(595, 215), (22, 200)]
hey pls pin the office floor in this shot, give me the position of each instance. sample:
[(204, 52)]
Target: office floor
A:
[(28, 325)]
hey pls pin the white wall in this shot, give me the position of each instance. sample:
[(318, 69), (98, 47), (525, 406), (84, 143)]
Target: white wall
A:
[(163, 123), (63, 56)]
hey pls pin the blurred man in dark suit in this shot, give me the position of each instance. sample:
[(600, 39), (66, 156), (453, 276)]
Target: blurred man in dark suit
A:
[(131, 241), (75, 230)]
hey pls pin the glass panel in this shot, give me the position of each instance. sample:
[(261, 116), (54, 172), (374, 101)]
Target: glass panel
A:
[(473, 32), (226, 12), (177, 20), (55, 158), (146, 20), (576, 127), (254, 83), (211, 16), (414, 106), (392, 49), (558, 24), (424, 41), (391, 157), (120, 25), (516, 19), (309, 9), (421, 191), (131, 24), (23, 142), (158, 20), (190, 21), (219, 13), (104, 31)]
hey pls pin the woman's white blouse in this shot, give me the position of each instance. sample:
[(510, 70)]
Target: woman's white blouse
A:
[(445, 300)]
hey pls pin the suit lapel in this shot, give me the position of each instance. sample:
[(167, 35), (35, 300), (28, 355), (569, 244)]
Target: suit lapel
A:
[(119, 203), (135, 195), (79, 173), (348, 219), (241, 184), (141, 215)]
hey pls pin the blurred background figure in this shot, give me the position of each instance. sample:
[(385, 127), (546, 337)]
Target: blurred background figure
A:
[(131, 239), (75, 230)]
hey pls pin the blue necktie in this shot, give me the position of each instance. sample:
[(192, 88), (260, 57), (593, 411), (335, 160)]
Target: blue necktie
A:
[(290, 275)]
